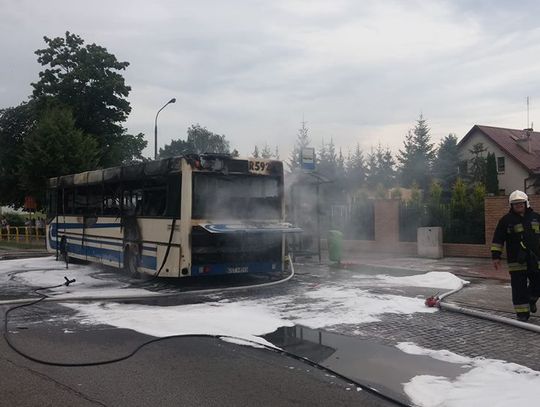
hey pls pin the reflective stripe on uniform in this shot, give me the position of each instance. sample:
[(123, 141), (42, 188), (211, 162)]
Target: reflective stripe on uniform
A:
[(518, 228), (496, 247), (517, 267), (535, 227), (521, 307)]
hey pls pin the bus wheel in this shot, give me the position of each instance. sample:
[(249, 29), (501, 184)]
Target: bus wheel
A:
[(131, 260)]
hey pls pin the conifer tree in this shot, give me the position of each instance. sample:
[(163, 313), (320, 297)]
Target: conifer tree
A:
[(276, 153), (446, 164), (492, 181), (417, 156), (302, 141), (477, 168), (266, 152), (356, 168), (371, 169)]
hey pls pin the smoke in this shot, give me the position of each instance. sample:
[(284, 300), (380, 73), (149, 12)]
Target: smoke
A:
[(303, 209), (238, 197)]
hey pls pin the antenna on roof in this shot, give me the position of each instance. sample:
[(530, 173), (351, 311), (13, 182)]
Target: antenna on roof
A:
[(528, 127)]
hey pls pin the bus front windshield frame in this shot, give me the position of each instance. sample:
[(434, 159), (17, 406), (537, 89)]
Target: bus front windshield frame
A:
[(237, 197)]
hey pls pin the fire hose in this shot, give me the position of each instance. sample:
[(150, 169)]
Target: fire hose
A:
[(436, 301)]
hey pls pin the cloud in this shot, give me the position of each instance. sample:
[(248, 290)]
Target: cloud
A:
[(358, 71)]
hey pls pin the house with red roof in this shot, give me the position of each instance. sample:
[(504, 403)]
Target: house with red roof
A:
[(517, 154)]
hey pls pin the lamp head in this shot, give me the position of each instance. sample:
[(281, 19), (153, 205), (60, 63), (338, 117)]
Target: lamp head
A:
[(173, 100)]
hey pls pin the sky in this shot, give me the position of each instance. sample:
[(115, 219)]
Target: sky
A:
[(355, 72)]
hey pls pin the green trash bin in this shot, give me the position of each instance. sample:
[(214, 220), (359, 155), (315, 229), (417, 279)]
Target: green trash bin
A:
[(335, 245)]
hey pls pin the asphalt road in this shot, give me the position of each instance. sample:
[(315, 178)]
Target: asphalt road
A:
[(178, 371), (172, 372)]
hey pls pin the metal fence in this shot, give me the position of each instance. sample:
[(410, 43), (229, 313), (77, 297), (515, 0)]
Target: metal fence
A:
[(357, 221), (22, 234), (460, 225)]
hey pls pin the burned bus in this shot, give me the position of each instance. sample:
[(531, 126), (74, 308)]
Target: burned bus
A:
[(185, 216)]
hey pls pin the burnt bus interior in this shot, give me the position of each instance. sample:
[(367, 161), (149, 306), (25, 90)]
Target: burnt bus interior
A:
[(148, 190)]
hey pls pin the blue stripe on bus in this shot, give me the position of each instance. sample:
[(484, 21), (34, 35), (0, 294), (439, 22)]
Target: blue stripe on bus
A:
[(94, 240), (80, 225), (148, 262), (117, 244), (236, 268)]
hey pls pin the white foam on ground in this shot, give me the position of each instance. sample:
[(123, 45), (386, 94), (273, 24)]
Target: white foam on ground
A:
[(334, 305), (46, 271), (244, 321), (433, 279), (489, 382)]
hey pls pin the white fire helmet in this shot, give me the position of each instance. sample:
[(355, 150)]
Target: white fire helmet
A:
[(517, 197)]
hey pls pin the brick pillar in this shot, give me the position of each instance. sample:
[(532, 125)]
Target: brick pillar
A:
[(386, 222), (495, 207)]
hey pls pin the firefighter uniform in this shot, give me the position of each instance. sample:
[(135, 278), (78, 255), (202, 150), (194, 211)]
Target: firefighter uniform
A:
[(521, 234)]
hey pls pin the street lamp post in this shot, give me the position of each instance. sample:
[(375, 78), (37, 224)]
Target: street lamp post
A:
[(173, 100)]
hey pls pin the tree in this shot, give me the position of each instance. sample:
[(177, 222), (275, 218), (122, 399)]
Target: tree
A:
[(446, 164), (356, 168), (87, 80), (340, 166), (55, 147), (417, 156), (16, 123), (477, 168), (492, 180), (327, 163), (380, 167), (416, 195), (458, 202), (302, 141), (255, 152), (199, 140), (435, 210), (266, 152), (276, 153), (386, 164), (372, 169)]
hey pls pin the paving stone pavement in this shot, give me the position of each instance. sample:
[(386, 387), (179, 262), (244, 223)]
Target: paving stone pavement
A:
[(459, 333), (442, 330)]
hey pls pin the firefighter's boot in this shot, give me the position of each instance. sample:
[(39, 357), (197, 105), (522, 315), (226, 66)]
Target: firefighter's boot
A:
[(523, 316), (532, 307)]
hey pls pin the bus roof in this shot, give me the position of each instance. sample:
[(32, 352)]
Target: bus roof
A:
[(132, 172)]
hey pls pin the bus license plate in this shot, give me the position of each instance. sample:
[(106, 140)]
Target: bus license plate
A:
[(237, 270)]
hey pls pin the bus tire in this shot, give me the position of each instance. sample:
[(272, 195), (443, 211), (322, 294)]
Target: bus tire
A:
[(131, 260)]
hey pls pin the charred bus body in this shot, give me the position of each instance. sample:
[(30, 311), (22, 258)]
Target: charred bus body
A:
[(183, 216)]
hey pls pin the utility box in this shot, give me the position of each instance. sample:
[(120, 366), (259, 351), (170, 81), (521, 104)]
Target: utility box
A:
[(430, 242)]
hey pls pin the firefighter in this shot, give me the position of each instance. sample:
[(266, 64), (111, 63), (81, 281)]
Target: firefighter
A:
[(520, 230)]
